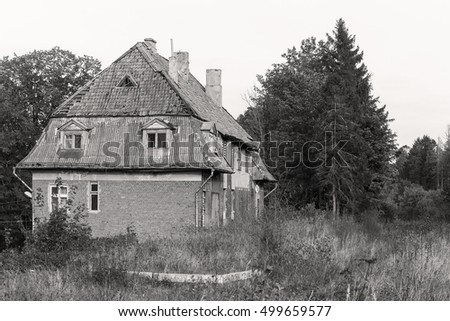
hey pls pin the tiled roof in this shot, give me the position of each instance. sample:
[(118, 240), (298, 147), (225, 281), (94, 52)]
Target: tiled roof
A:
[(155, 94), (116, 132)]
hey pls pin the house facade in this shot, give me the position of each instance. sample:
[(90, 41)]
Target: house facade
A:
[(146, 145)]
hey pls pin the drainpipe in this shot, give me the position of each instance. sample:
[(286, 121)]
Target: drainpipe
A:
[(21, 180), (273, 190), (196, 198)]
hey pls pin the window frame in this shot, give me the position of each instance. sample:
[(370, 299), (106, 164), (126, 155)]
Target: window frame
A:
[(73, 139), (92, 193), (157, 132), (59, 196)]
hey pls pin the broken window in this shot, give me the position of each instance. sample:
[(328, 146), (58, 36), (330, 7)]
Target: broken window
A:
[(127, 81)]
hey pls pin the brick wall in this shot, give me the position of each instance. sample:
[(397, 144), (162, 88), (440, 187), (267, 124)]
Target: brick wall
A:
[(152, 207)]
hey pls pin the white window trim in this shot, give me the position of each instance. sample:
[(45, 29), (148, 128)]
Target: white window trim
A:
[(90, 193), (59, 195)]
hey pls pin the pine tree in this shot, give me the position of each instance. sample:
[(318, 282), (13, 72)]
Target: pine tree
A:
[(358, 120), (322, 95)]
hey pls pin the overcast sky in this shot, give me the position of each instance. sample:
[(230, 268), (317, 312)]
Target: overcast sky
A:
[(405, 43)]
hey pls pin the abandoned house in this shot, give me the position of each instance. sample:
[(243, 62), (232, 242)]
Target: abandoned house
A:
[(145, 144)]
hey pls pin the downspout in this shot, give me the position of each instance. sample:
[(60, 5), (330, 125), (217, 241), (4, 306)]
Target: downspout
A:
[(196, 198), (21, 180), (273, 190)]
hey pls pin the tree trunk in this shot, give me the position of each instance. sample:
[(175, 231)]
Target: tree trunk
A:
[(334, 202)]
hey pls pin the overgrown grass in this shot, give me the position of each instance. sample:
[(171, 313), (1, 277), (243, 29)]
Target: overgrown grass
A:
[(305, 256)]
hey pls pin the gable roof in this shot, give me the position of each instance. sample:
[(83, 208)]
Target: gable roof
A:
[(73, 125), (155, 93)]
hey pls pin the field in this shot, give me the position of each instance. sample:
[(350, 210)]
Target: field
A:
[(304, 255)]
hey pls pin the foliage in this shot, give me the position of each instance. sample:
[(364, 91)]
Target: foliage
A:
[(41, 80), (334, 141), (62, 232), (304, 257), (420, 164), (31, 87)]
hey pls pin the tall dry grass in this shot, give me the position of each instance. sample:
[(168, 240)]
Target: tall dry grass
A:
[(305, 256)]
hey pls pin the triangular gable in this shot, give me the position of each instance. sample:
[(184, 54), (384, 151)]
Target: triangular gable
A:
[(157, 124), (73, 125)]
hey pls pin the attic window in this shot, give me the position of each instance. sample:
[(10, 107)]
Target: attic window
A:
[(157, 134), (72, 141), (157, 139), (127, 81), (73, 135)]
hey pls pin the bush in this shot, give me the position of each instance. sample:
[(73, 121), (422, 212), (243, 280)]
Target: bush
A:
[(62, 232), (417, 203)]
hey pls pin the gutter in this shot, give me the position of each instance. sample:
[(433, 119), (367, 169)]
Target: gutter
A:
[(21, 180), (196, 199), (273, 190)]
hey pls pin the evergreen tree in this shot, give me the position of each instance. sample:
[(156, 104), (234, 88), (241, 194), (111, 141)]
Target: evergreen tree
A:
[(420, 166), (321, 95), (355, 118)]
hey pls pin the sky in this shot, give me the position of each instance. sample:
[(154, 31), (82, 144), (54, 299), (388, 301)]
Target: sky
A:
[(405, 43)]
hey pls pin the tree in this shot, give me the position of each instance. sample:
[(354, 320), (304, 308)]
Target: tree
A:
[(420, 166), (353, 112), (285, 109), (322, 88), (39, 81), (31, 87)]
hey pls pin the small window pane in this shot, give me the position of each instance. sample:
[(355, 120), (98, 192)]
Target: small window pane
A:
[(162, 141), (68, 141), (54, 204), (94, 187), (94, 202), (54, 190), (77, 141), (63, 201), (151, 140), (63, 190)]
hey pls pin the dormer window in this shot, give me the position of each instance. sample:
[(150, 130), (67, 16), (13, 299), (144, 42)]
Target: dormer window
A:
[(157, 139), (73, 135), (72, 141), (127, 81), (157, 134)]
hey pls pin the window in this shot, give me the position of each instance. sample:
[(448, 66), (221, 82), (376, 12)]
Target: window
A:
[(93, 196), (58, 197), (127, 81), (157, 140), (72, 141)]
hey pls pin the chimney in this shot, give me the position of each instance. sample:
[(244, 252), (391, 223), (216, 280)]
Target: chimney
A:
[(214, 86), (151, 43), (179, 66)]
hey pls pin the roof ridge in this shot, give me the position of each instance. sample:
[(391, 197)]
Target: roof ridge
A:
[(145, 53)]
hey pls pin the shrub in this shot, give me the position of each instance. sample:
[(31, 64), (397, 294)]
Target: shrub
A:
[(62, 231), (417, 203)]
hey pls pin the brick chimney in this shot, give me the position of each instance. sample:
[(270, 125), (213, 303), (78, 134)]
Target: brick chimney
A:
[(214, 85), (151, 43), (179, 66)]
